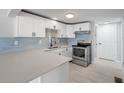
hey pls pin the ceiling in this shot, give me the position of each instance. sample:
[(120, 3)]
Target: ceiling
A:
[(80, 14)]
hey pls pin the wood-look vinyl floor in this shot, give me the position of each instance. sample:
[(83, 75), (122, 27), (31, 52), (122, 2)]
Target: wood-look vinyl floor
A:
[(102, 71)]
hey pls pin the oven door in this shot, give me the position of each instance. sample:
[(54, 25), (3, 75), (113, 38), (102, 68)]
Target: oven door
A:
[(80, 53)]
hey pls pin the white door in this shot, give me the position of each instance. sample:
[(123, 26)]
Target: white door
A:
[(106, 41)]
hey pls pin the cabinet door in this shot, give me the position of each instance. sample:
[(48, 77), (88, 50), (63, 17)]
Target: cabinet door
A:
[(67, 52), (77, 27), (82, 27), (85, 26), (64, 52), (57, 51), (62, 30), (50, 23), (25, 26), (70, 31), (30, 26), (57, 75), (39, 27)]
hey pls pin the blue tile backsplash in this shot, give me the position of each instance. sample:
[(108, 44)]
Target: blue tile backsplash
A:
[(73, 41), (7, 44)]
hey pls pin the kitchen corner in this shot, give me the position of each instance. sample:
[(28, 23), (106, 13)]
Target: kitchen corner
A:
[(39, 49)]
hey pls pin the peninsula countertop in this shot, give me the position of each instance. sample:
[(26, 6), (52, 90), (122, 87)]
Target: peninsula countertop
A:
[(21, 67)]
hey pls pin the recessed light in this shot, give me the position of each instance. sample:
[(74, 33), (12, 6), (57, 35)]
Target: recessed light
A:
[(69, 15), (55, 18)]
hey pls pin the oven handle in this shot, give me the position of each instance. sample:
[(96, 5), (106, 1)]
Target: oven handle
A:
[(80, 47)]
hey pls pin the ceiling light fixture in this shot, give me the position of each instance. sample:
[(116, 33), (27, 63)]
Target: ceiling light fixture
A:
[(69, 15)]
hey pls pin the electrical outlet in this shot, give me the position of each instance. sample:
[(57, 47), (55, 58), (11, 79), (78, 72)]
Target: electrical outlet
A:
[(16, 43), (40, 41)]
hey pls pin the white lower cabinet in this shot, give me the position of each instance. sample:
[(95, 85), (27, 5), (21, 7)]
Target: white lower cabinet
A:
[(56, 51), (63, 51), (67, 52), (58, 75)]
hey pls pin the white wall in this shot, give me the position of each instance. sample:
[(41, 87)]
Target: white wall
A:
[(93, 34), (7, 24), (123, 39), (119, 37)]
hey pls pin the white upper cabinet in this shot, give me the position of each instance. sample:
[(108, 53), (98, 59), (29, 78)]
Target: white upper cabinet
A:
[(61, 30), (30, 26), (34, 26), (56, 25), (40, 27), (49, 23), (24, 26), (82, 27), (70, 31)]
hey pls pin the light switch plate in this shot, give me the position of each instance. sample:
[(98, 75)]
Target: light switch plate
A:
[(16, 42), (40, 41)]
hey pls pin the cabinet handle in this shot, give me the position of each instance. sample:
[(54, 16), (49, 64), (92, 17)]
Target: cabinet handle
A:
[(33, 34), (59, 53), (61, 35), (66, 49), (54, 27), (80, 28)]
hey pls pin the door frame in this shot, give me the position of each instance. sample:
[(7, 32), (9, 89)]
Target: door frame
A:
[(95, 41)]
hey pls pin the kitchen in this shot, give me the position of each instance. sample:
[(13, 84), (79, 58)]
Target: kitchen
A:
[(44, 49)]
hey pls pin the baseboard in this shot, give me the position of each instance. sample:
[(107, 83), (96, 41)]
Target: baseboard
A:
[(106, 59)]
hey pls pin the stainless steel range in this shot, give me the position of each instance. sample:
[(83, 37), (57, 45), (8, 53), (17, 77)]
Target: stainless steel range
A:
[(82, 53)]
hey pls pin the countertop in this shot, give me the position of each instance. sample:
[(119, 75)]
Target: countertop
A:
[(24, 66), (48, 49)]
